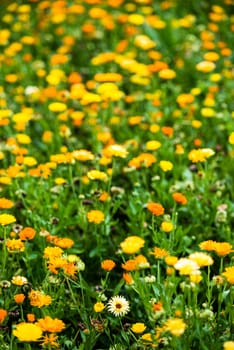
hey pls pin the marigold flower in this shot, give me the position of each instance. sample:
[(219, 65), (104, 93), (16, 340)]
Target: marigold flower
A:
[(186, 266), (165, 165), (108, 265), (138, 327), (27, 233), (27, 332), (155, 208), (207, 245), (50, 339), (229, 274), (52, 325), (228, 345), (118, 306), (30, 317), (99, 306), (19, 298), (202, 259), (167, 74), (179, 198), (3, 315), (175, 326), (159, 253), (167, 226), (39, 299), (97, 175), (15, 245), (19, 280), (222, 248), (6, 219), (6, 203), (95, 216), (57, 107), (132, 244)]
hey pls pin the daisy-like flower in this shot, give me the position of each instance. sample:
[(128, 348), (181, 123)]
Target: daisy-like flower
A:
[(118, 306)]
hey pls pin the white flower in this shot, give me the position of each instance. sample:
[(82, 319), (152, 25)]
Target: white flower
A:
[(118, 306)]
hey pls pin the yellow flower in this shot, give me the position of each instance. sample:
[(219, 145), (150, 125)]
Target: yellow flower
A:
[(23, 139), (57, 107), (207, 112), (19, 280), (175, 326), (205, 66), (167, 74), (202, 259), (116, 151), (138, 327), (229, 274), (186, 266), (153, 145), (15, 245), (97, 175), (132, 244), (99, 306), (231, 138), (95, 216), (165, 165), (167, 226), (136, 19), (27, 332), (6, 219), (144, 42), (228, 345)]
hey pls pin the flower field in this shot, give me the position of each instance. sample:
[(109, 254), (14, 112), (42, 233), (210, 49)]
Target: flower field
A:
[(116, 175)]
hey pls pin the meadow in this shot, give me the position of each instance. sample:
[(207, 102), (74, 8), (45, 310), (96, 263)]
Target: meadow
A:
[(116, 175)]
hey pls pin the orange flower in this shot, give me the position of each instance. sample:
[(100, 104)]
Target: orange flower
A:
[(48, 324), (179, 198), (108, 265), (19, 298), (5, 203), (229, 274), (207, 245), (3, 315), (155, 208), (222, 248), (30, 317), (27, 233)]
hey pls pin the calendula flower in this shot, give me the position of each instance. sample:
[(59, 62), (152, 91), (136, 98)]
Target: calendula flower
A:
[(3, 315), (132, 244), (95, 216), (229, 274), (57, 107), (6, 219), (108, 265), (39, 299), (116, 151), (228, 345), (167, 74), (50, 340), (99, 306), (138, 327), (167, 226), (52, 325), (186, 266), (27, 332), (202, 259), (118, 306), (19, 298), (15, 245), (179, 198), (222, 248), (207, 245), (159, 253), (175, 326), (27, 233), (155, 208), (165, 165), (6, 203), (19, 280), (97, 175)]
